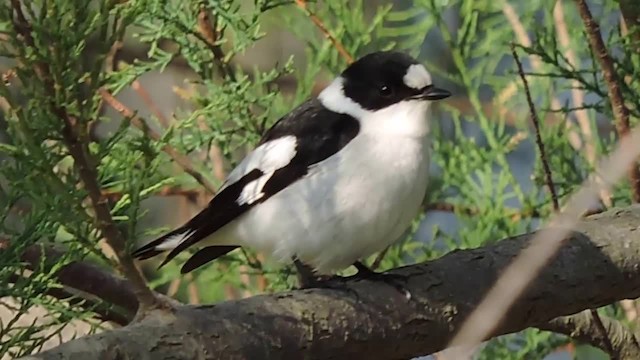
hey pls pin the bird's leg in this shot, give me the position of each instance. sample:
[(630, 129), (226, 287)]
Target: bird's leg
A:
[(363, 270), (396, 280), (308, 280), (306, 277)]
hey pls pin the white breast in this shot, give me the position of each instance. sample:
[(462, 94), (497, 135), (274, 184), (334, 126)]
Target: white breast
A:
[(350, 205)]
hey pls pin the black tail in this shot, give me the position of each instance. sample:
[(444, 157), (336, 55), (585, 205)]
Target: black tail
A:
[(198, 259), (206, 255), (149, 250)]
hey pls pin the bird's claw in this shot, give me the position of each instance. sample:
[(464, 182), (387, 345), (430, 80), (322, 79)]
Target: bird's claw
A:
[(398, 281)]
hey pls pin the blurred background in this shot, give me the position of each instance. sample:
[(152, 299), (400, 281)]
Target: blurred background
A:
[(208, 95)]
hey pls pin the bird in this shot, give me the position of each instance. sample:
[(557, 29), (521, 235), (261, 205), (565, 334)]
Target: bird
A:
[(338, 178)]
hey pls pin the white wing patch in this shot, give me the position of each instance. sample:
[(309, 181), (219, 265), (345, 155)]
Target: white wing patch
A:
[(417, 77), (253, 190), (267, 158)]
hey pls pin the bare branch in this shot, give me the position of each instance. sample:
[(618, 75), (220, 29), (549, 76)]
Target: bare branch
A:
[(595, 266), (536, 125), (302, 4), (209, 33), (618, 339), (620, 111), (148, 101), (104, 312), (85, 279)]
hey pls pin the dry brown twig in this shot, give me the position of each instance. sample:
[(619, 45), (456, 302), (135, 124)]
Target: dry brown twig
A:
[(138, 122), (536, 125), (148, 101), (165, 191), (622, 345), (207, 28), (302, 4), (620, 111)]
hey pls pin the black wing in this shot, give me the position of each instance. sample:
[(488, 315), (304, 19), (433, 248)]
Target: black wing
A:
[(319, 133)]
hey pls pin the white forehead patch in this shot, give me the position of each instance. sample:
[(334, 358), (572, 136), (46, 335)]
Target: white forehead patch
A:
[(417, 77)]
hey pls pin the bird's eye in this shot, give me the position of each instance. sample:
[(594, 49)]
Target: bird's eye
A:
[(386, 91)]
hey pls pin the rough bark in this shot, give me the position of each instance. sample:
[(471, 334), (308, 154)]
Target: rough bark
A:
[(597, 265), (621, 342)]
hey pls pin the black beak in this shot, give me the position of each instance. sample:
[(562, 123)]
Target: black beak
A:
[(432, 93)]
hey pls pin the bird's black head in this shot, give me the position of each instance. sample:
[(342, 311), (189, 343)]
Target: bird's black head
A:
[(384, 78)]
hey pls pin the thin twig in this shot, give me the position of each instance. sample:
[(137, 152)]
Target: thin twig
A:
[(378, 260), (138, 122), (630, 309), (77, 143), (165, 191), (522, 36), (608, 345), (192, 290), (302, 4), (174, 286), (146, 98), (209, 33), (536, 125), (620, 111), (579, 326)]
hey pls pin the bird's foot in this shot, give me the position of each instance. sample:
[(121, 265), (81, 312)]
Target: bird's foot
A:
[(396, 280), (308, 280), (332, 282)]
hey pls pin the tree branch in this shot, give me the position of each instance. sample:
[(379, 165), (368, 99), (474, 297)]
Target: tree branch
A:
[(85, 279), (620, 111), (624, 344), (104, 311), (596, 266), (210, 36)]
